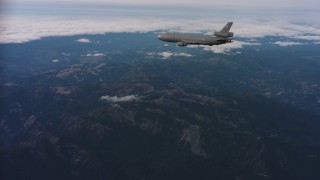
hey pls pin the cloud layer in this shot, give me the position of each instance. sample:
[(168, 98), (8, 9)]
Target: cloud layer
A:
[(226, 48), (20, 29), (23, 29)]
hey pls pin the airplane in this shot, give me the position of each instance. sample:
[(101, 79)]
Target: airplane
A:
[(220, 37)]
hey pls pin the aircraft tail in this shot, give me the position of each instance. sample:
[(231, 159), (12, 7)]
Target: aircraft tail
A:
[(226, 28), (224, 32)]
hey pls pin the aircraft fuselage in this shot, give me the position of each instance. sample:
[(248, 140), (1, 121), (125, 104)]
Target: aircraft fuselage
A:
[(219, 37), (185, 39)]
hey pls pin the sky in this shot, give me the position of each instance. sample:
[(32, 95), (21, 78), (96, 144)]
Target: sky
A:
[(297, 4)]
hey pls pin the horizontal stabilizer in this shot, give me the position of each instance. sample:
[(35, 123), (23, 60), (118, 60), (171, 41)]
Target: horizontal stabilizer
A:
[(222, 34)]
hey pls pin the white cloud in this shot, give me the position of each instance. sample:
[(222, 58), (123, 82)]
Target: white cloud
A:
[(84, 40), (168, 54), (182, 54), (98, 54), (309, 38), (95, 55), (226, 48), (165, 55), (286, 43), (256, 29), (317, 43), (115, 99), (65, 54), (56, 60)]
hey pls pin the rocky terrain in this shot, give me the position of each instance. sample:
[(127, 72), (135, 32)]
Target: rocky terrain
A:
[(188, 119)]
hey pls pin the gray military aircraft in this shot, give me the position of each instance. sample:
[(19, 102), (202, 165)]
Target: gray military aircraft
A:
[(220, 37)]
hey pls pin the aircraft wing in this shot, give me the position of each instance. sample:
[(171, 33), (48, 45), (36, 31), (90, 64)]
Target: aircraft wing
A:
[(186, 42)]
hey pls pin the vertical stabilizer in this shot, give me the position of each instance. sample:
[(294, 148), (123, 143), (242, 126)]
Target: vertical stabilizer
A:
[(226, 28)]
